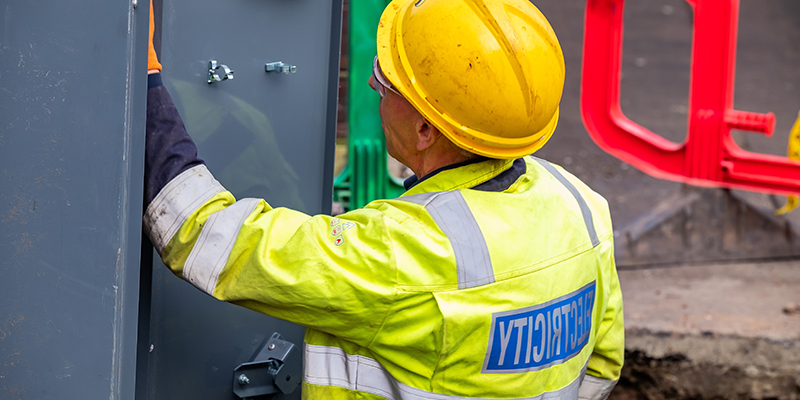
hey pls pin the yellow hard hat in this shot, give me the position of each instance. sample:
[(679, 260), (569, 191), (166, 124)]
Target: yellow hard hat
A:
[(487, 73)]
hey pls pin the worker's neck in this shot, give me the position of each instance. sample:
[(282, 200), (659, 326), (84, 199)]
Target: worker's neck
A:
[(431, 162), (431, 166), (433, 151)]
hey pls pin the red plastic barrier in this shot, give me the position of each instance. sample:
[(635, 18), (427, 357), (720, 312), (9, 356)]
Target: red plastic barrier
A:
[(709, 157)]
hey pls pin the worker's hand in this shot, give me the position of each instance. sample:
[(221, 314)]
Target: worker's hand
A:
[(153, 66)]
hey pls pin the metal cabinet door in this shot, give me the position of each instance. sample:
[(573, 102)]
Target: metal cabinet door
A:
[(72, 120), (263, 134)]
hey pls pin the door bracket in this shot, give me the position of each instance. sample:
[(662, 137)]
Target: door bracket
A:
[(277, 367)]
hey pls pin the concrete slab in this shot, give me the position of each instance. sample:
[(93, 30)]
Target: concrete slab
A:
[(745, 300), (726, 331), (705, 225)]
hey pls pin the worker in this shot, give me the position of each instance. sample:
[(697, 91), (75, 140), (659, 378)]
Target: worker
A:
[(491, 277)]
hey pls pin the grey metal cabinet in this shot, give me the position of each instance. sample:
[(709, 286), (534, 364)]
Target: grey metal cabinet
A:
[(72, 118), (85, 311), (264, 134)]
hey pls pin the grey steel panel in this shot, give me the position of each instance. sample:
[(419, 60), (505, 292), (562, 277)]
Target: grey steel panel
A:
[(265, 135), (72, 107)]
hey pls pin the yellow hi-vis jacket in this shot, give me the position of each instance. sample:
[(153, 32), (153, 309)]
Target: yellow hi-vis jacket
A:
[(491, 280)]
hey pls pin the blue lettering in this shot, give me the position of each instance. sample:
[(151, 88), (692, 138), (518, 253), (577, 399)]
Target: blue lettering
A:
[(504, 339), (589, 303), (519, 323), (557, 331), (530, 340), (546, 334), (574, 312), (579, 318), (549, 333), (537, 355), (565, 313)]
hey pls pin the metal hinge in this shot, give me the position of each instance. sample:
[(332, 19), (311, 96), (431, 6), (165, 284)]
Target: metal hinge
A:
[(276, 368)]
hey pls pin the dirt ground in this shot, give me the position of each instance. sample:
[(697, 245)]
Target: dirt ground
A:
[(718, 331)]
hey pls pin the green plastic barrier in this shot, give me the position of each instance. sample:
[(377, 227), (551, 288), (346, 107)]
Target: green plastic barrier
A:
[(366, 176)]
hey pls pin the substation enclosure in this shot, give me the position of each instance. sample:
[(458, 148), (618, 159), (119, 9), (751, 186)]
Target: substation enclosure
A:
[(86, 310)]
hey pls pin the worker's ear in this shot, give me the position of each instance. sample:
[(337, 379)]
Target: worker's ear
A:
[(426, 133)]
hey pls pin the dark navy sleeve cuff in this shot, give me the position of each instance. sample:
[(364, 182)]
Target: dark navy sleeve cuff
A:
[(154, 80), (169, 150)]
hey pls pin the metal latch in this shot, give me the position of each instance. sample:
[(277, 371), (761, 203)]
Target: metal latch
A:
[(213, 76), (279, 66), (276, 368)]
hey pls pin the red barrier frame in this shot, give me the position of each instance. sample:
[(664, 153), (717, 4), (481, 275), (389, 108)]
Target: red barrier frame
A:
[(709, 156)]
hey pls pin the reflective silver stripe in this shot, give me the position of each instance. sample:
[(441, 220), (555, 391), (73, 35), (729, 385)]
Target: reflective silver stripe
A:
[(422, 199), (453, 216), (331, 366), (594, 388), (213, 247), (175, 202), (587, 213)]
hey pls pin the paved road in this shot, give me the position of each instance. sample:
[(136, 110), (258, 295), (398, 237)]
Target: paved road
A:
[(655, 87)]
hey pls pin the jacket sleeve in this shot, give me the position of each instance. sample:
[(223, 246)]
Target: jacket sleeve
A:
[(336, 275), (606, 360), (168, 148)]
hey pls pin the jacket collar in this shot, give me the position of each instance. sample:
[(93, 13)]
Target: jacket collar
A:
[(464, 175)]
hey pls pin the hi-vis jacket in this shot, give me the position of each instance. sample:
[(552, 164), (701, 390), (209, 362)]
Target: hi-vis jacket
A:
[(490, 280)]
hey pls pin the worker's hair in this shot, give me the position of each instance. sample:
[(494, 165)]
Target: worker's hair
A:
[(467, 155), (464, 154)]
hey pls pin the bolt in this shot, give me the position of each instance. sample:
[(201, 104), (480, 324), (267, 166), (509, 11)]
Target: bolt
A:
[(271, 347), (243, 379)]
